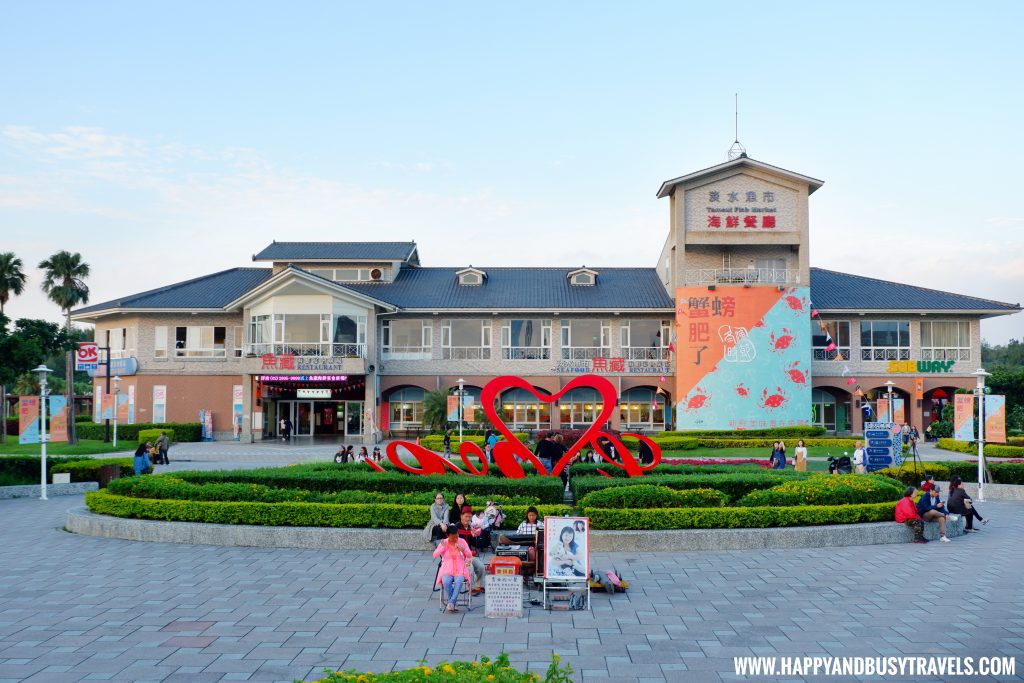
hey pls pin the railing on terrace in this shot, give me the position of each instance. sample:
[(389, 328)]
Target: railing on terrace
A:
[(526, 353), (309, 349), (645, 353), (945, 354), (822, 354), (741, 276), (885, 354), (466, 352), (583, 352)]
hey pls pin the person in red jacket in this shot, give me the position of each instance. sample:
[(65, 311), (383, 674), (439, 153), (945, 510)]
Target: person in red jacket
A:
[(906, 513)]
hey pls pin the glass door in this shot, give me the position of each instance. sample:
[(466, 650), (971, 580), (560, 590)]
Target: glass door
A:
[(353, 418), (302, 418)]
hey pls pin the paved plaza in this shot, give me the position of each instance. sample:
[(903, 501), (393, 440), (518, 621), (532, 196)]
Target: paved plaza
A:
[(82, 608)]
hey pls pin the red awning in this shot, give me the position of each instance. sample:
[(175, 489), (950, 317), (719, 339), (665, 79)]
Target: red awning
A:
[(939, 393)]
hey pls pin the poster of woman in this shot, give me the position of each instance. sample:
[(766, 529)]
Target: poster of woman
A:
[(567, 548)]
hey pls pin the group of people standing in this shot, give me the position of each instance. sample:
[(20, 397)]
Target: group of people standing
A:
[(777, 459)]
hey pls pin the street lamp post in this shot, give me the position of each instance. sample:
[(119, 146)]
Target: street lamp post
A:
[(43, 392), (981, 375), (462, 384), (888, 394), (117, 393)]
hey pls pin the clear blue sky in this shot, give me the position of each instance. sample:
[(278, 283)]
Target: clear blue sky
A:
[(169, 141)]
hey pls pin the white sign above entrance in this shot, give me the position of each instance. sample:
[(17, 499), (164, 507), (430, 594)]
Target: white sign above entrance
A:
[(741, 204), (312, 393)]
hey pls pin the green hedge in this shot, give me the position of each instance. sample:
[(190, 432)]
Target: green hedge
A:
[(183, 431), (151, 435), (89, 470), (991, 450), (24, 469), (330, 477), (647, 496), (733, 485), (825, 489), (759, 442), (587, 469), (736, 518), (435, 442), (168, 486), (670, 443), (774, 432), (380, 515), (911, 477)]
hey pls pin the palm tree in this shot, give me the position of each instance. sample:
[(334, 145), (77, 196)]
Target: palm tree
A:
[(12, 281), (435, 409), (65, 284)]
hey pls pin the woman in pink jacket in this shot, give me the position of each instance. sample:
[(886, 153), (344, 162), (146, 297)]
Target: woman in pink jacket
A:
[(455, 557)]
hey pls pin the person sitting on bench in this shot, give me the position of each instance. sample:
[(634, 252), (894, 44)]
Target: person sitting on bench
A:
[(470, 535), (932, 509)]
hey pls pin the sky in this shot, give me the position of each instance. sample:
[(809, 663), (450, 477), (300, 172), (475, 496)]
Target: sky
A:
[(164, 141)]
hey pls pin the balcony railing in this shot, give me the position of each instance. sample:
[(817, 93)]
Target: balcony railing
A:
[(645, 353), (583, 352), (945, 354), (822, 354), (405, 352), (741, 276), (885, 354), (466, 352), (526, 353), (309, 349)]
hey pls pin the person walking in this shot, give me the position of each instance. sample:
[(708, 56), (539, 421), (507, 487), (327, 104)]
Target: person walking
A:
[(163, 444), (287, 429)]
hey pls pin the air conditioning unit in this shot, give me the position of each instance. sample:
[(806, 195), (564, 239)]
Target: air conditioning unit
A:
[(375, 274)]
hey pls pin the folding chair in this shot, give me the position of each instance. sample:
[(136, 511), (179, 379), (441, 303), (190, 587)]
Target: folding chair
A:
[(465, 598)]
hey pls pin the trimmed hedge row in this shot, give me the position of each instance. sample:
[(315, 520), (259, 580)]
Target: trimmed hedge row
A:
[(375, 516), (26, 467), (670, 443), (588, 469), (991, 450), (332, 478), (824, 489), (767, 442), (89, 470), (733, 485), (183, 431), (435, 442), (648, 496), (735, 518), (774, 432), (999, 472), (168, 486)]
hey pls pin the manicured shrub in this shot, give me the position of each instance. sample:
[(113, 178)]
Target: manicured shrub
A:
[(773, 432), (1004, 473), (736, 518), (942, 429), (991, 450), (183, 431), (910, 477), (734, 485), (672, 443), (17, 470), (825, 489), (329, 477), (89, 470), (359, 515), (587, 469), (458, 672), (765, 442), (435, 442), (151, 435), (647, 496)]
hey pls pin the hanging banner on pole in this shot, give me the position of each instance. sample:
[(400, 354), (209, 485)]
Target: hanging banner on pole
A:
[(882, 407), (58, 419), (28, 419), (453, 408), (963, 417), (995, 419), (897, 414)]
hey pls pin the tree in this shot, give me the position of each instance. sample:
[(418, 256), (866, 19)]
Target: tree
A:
[(12, 281), (435, 409), (64, 283), (25, 347)]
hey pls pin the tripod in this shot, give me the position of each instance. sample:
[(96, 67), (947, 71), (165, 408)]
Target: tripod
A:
[(915, 457)]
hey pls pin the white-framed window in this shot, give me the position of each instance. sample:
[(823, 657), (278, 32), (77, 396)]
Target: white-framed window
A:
[(945, 340), (352, 274), (839, 330), (644, 339), (640, 408), (583, 279), (522, 410), (349, 336), (405, 408), (160, 341), (121, 341), (885, 340), (239, 341), (585, 339), (580, 408), (466, 339), (526, 339), (200, 341), (406, 339)]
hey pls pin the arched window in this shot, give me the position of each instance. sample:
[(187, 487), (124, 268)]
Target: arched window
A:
[(580, 408), (641, 409), (406, 408), (522, 410)]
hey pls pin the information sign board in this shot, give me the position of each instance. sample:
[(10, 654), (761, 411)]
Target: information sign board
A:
[(883, 445), (503, 595)]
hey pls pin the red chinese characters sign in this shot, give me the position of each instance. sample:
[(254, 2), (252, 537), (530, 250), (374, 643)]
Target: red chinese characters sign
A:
[(510, 453)]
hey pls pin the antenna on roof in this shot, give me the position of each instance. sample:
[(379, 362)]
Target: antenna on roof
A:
[(737, 150)]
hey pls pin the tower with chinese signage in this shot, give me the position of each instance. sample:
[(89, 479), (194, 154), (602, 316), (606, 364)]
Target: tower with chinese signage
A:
[(737, 262)]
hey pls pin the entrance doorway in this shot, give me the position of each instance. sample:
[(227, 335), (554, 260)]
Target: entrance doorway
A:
[(323, 418), (353, 418)]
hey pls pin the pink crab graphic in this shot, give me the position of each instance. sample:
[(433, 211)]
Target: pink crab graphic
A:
[(742, 390), (697, 401), (782, 341), (796, 374), (773, 401), (795, 303)]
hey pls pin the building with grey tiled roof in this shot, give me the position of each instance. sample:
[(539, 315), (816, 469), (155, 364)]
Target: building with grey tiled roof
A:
[(730, 329)]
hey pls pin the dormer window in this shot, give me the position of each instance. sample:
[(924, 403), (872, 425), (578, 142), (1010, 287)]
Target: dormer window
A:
[(471, 276), (582, 277)]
